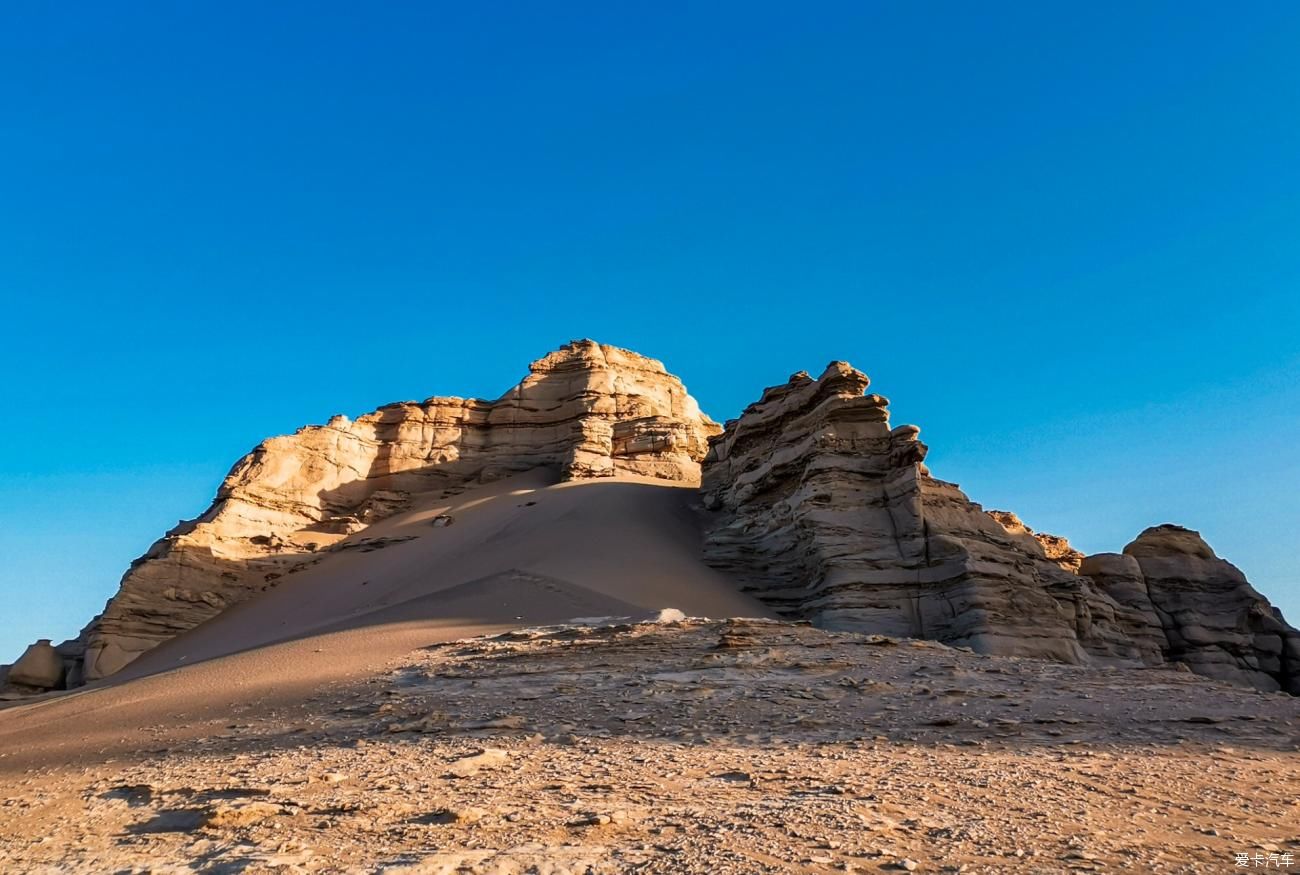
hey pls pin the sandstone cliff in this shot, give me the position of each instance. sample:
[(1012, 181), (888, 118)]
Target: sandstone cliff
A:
[(587, 410), (825, 512), (1200, 609), (819, 508)]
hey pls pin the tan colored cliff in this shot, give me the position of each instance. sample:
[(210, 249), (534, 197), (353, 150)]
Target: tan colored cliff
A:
[(818, 507), (586, 410), (826, 513), (1055, 547)]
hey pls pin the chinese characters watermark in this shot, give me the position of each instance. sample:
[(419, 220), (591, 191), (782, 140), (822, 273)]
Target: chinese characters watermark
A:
[(1273, 860)]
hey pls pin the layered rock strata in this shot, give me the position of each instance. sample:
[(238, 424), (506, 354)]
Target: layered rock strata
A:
[(587, 410), (1055, 547), (826, 513), (1199, 609), (819, 507)]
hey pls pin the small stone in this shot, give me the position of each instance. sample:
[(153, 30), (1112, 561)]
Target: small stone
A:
[(740, 777), (469, 766), (235, 815), (462, 815), (469, 814), (592, 819), (510, 721)]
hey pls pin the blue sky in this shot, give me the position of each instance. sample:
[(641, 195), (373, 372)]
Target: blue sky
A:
[(1061, 238)]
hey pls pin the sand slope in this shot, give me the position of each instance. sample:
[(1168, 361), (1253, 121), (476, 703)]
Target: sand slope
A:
[(625, 544), (518, 552)]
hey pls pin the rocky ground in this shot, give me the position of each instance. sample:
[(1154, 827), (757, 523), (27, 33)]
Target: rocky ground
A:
[(693, 747)]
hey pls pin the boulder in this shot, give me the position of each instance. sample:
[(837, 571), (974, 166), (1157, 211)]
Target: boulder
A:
[(40, 667)]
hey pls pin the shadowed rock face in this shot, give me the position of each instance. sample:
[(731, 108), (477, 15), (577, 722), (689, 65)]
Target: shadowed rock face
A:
[(39, 668), (586, 410), (1200, 609), (827, 513)]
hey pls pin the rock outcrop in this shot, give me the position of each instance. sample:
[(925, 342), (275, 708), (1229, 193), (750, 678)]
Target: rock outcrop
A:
[(40, 668), (1199, 609), (819, 508), (1055, 547), (826, 513), (587, 410)]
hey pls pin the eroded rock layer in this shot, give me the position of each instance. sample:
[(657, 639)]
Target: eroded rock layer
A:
[(1055, 547), (1200, 609), (587, 410), (825, 512)]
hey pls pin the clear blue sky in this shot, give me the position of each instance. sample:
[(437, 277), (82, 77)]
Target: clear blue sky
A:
[(1063, 238)]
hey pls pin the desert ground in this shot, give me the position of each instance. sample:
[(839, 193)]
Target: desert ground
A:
[(689, 746), (507, 695)]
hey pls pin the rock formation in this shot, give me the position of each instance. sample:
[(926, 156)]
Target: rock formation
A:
[(1055, 547), (826, 513), (39, 668), (587, 410), (1200, 609), (818, 507)]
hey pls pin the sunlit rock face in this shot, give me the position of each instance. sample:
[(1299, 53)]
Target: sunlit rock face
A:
[(825, 512), (1055, 547), (586, 410)]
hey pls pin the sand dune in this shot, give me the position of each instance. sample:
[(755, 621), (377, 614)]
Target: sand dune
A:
[(521, 551), (613, 544)]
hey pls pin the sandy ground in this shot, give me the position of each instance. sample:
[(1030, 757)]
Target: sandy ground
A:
[(342, 723), (624, 544), (709, 747), (521, 551)]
